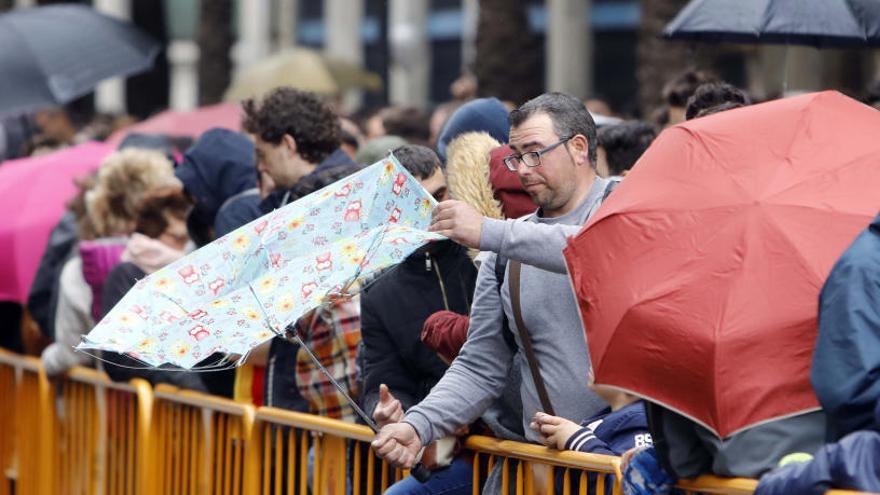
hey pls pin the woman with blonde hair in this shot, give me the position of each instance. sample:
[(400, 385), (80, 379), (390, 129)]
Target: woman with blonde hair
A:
[(111, 207)]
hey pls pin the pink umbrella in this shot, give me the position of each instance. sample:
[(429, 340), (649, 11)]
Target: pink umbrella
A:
[(192, 123), (33, 192)]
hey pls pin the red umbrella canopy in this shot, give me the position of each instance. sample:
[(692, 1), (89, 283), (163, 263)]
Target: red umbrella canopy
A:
[(698, 280)]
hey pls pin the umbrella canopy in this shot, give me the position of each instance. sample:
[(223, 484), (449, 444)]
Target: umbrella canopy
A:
[(303, 69), (819, 23), (54, 54), (187, 123), (223, 297), (33, 192), (698, 280)]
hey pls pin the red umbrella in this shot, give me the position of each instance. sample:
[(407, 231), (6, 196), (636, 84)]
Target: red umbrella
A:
[(192, 123), (33, 192), (698, 280)]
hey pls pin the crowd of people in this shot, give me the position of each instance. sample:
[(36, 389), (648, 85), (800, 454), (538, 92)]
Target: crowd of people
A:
[(479, 333)]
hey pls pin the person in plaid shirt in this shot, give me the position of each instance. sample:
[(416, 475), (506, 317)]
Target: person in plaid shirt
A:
[(333, 333)]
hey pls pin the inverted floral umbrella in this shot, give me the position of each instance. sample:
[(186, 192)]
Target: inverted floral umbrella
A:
[(242, 289)]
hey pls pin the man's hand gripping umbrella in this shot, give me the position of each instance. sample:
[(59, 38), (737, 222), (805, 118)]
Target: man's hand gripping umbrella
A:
[(418, 471)]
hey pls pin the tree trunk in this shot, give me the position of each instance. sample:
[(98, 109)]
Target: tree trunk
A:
[(508, 59), (658, 60), (215, 41), (148, 92)]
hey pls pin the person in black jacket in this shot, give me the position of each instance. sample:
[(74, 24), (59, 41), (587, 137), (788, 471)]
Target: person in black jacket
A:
[(398, 369)]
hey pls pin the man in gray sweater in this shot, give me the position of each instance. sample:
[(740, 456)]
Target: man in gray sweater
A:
[(553, 139)]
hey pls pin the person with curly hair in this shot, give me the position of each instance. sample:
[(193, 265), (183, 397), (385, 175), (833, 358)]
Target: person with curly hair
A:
[(296, 134), (297, 139)]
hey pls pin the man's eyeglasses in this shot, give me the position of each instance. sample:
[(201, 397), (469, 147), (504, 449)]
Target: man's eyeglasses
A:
[(532, 158)]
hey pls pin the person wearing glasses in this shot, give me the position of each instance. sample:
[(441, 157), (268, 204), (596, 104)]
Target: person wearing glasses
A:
[(553, 143)]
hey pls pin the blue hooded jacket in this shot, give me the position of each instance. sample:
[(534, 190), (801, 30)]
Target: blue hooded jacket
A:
[(853, 463), (846, 361), (218, 166), (487, 115)]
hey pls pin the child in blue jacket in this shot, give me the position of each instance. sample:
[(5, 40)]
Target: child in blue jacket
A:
[(613, 431)]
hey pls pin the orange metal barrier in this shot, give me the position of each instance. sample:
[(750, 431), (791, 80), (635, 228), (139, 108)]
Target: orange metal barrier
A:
[(26, 424), (82, 433), (284, 441), (198, 443), (8, 461), (534, 469), (100, 433)]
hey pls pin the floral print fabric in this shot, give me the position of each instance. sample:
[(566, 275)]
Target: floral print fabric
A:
[(224, 296)]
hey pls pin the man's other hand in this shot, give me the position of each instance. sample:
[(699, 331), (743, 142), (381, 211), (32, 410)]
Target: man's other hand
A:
[(458, 221), (388, 410)]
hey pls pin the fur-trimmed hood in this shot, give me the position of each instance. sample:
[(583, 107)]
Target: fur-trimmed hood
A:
[(467, 172)]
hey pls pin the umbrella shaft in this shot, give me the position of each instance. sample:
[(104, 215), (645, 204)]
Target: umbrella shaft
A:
[(293, 337)]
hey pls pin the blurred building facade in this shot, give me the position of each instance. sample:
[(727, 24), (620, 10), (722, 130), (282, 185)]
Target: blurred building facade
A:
[(591, 48)]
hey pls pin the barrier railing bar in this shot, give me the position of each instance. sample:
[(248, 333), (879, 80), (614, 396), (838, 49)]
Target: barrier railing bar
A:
[(538, 453), (314, 423), (111, 438)]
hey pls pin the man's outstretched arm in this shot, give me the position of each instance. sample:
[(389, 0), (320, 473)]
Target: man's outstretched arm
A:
[(474, 380)]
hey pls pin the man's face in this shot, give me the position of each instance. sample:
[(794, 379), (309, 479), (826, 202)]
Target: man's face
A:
[(553, 184), (436, 185), (283, 165)]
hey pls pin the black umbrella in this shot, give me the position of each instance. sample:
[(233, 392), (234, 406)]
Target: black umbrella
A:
[(818, 23), (52, 55)]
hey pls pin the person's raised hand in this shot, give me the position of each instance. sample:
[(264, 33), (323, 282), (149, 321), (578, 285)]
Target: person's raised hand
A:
[(398, 444), (458, 221), (554, 431), (388, 410)]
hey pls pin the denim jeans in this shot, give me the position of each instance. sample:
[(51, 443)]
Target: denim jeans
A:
[(456, 479)]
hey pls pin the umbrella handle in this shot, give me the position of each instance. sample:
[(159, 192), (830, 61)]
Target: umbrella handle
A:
[(420, 473)]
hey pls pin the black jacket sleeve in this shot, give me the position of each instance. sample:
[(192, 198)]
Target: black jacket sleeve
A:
[(382, 362)]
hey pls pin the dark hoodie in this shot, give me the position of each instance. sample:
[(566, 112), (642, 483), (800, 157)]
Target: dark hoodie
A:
[(434, 277), (217, 167), (853, 463)]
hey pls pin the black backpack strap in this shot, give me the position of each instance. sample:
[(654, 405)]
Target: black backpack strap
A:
[(612, 185)]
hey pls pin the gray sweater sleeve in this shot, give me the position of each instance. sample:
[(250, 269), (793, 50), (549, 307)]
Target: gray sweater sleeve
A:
[(530, 243), (477, 376)]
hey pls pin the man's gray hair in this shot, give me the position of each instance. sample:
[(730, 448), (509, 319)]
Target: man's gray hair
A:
[(569, 115)]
